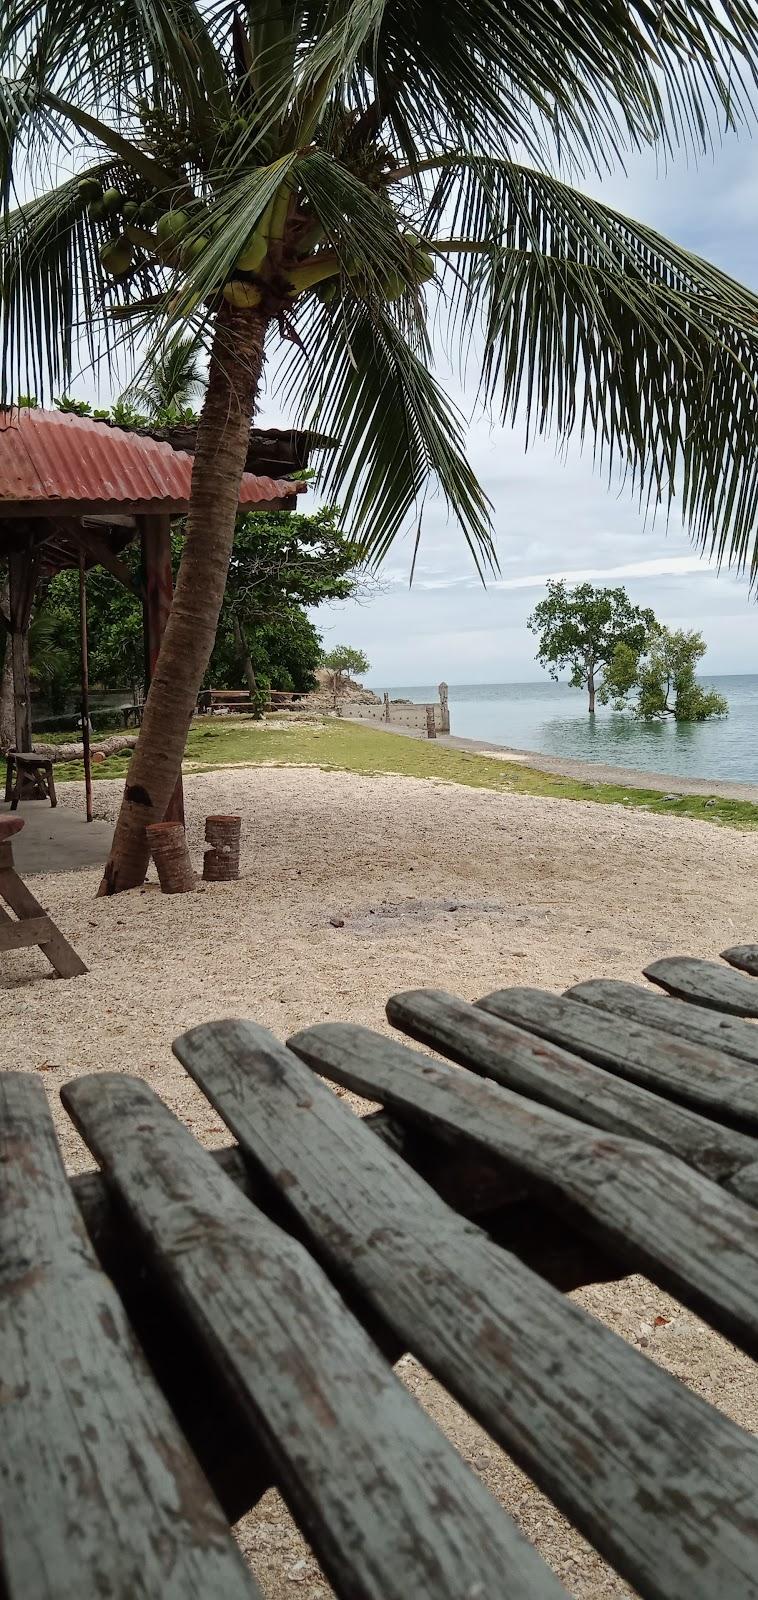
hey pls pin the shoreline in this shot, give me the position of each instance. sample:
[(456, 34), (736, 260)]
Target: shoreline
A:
[(585, 771)]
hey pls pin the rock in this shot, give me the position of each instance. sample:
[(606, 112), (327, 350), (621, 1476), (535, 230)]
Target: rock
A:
[(336, 922)]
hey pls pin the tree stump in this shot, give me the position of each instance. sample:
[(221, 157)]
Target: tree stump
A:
[(168, 845), (222, 858)]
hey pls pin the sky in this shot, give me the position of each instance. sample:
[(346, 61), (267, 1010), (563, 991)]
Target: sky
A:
[(555, 515)]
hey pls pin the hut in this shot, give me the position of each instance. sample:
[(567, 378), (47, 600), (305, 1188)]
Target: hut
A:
[(75, 491)]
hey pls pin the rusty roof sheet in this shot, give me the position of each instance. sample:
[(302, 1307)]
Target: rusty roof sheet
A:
[(53, 459)]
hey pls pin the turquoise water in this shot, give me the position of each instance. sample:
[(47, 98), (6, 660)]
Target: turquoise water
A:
[(553, 719)]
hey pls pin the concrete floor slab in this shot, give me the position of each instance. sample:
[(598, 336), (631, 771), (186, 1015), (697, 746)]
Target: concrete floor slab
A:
[(57, 840)]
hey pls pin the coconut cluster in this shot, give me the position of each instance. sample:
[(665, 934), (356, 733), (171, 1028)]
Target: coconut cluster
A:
[(178, 237)]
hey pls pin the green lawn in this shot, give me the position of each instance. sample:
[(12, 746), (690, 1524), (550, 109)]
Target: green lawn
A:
[(347, 747)]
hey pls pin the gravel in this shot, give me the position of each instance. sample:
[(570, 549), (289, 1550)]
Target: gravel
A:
[(353, 887)]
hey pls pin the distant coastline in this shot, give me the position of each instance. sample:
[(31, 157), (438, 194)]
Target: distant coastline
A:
[(549, 723)]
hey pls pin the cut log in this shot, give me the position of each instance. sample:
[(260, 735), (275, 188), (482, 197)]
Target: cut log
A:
[(221, 863)]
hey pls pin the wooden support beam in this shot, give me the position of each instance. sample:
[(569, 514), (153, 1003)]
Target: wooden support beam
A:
[(23, 573), (100, 551)]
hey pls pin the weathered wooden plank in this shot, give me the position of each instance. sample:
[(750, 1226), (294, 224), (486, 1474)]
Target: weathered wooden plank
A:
[(515, 1057), (18, 935), (711, 1029), (711, 1082), (99, 1494), (744, 957), (662, 1217), (635, 1459), (56, 947), (389, 1507), (705, 983)]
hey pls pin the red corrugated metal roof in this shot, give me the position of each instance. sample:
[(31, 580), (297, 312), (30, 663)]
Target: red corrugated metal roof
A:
[(52, 458)]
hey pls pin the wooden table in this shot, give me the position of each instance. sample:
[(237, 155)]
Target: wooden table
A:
[(31, 924), (241, 1309)]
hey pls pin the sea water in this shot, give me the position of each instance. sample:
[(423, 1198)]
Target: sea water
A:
[(553, 719)]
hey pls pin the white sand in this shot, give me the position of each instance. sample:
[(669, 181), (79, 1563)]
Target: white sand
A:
[(437, 884)]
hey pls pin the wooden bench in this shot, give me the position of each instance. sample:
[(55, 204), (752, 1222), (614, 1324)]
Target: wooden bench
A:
[(210, 700), (32, 925), (271, 1285), (29, 776)]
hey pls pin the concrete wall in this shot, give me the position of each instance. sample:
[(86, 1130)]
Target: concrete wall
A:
[(400, 715)]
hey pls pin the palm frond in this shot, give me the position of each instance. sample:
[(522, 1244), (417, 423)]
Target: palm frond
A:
[(400, 437), (592, 322), (53, 295)]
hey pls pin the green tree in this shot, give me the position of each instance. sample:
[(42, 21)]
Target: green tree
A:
[(341, 662), (662, 676), (581, 629), (300, 171), (281, 562)]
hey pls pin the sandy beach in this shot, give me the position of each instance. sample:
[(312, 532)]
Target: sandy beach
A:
[(438, 884)]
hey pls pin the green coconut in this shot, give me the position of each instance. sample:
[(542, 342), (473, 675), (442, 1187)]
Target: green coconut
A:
[(148, 214), (244, 296), (130, 210), (423, 266), (90, 189), (253, 253), (394, 286), (116, 256), (172, 226), (326, 291), (96, 210), (192, 251), (112, 201)]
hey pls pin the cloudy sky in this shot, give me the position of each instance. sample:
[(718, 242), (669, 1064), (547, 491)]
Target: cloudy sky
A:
[(554, 516)]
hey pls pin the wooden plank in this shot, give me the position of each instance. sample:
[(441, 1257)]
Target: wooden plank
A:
[(661, 1217), (710, 1081), (631, 1456), (710, 1029), (17, 935), (744, 957), (99, 1493), (514, 1057), (705, 983), (388, 1505), (61, 955)]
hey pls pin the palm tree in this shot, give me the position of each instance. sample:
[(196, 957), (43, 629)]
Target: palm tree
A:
[(304, 172), (173, 379)]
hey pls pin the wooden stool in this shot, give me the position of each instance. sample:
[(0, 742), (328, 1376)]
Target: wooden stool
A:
[(34, 926), (33, 771)]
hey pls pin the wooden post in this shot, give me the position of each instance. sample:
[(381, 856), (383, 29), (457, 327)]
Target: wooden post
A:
[(431, 731), (168, 844), (386, 712), (23, 569), (85, 687), (155, 537)]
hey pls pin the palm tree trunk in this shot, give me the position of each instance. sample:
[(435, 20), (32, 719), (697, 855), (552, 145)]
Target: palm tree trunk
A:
[(234, 378)]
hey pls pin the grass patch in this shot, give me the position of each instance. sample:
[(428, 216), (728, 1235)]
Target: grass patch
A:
[(348, 747)]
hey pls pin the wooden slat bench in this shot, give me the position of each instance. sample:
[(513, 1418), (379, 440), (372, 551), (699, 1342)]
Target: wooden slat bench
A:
[(271, 1285), (210, 700)]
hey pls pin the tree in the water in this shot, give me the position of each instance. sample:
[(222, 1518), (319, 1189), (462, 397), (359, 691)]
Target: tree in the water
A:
[(659, 680), (580, 629), (340, 663), (304, 172)]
